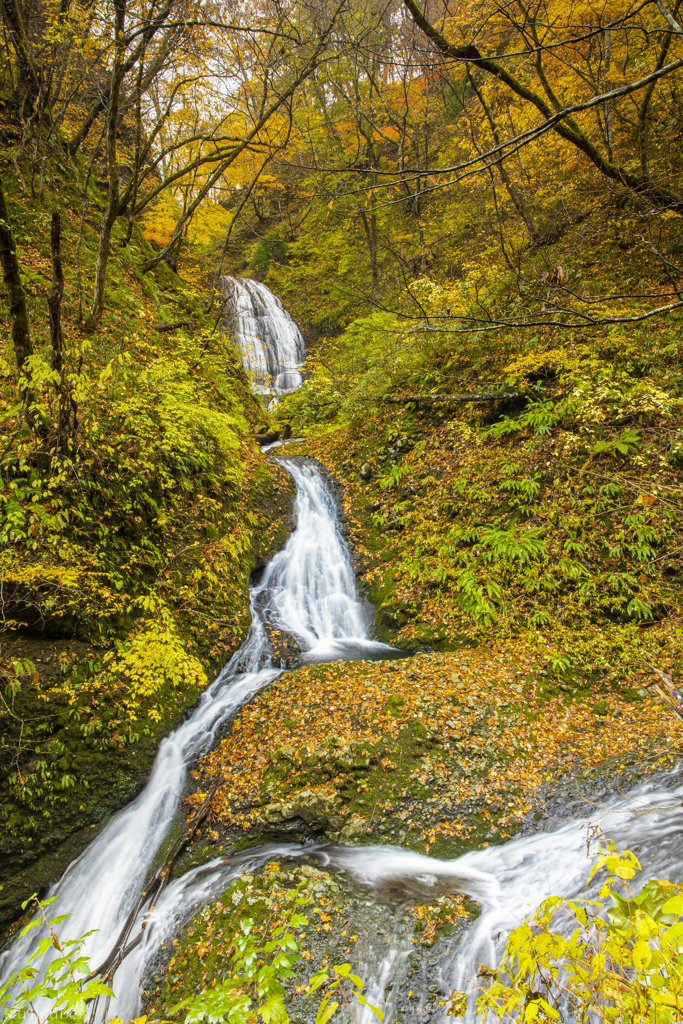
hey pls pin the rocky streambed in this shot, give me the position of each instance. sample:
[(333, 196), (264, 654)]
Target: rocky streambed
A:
[(440, 754)]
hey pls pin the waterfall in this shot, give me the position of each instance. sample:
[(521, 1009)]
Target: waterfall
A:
[(509, 882), (308, 589), (308, 592), (271, 344)]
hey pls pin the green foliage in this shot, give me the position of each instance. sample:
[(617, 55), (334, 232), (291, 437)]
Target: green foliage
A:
[(513, 545), (349, 374), (137, 673), (619, 959), (393, 477), (624, 444), (334, 983), (64, 981), (255, 987)]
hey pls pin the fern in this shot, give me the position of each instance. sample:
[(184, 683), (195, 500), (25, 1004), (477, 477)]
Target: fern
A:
[(393, 478), (477, 600), (512, 547)]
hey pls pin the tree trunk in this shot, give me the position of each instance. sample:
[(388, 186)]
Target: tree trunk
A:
[(21, 331), (54, 299), (111, 212), (68, 410), (28, 86)]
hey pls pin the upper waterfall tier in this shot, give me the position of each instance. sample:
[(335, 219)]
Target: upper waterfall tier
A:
[(271, 344)]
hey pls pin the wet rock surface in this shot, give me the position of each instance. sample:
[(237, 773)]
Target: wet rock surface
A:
[(346, 923)]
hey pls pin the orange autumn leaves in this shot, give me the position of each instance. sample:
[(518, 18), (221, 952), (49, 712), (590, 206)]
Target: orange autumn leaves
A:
[(497, 730)]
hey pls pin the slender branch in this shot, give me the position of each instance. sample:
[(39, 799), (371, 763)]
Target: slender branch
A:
[(491, 396), (561, 120)]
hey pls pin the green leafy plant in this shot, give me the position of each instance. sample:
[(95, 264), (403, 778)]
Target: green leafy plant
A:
[(393, 477), (255, 988), (512, 545), (620, 959), (64, 982), (336, 993), (627, 442)]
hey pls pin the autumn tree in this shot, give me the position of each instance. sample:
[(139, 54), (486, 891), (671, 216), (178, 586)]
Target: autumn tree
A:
[(572, 68)]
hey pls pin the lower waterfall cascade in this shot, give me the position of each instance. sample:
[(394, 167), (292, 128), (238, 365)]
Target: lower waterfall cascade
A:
[(509, 882), (308, 592)]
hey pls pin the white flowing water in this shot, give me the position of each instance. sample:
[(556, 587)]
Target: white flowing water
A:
[(509, 882), (648, 821), (271, 344), (308, 590)]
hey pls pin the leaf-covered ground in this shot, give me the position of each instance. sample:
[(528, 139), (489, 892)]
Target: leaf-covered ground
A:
[(441, 753)]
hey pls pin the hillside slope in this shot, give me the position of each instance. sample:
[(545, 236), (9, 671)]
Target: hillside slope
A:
[(124, 556)]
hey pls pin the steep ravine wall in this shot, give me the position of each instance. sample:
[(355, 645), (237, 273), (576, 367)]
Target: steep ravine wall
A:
[(39, 845)]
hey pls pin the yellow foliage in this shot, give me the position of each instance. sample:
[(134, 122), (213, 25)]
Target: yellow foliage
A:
[(154, 658)]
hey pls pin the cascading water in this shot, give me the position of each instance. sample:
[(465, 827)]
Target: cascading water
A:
[(271, 344), (509, 882), (308, 590)]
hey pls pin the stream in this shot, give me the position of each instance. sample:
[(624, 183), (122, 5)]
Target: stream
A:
[(308, 591)]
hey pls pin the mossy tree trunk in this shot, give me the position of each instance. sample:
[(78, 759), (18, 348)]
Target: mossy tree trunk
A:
[(68, 410), (21, 330), (27, 90), (111, 212), (54, 299)]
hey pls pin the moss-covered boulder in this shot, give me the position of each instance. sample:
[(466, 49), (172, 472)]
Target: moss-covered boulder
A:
[(341, 925), (439, 753)]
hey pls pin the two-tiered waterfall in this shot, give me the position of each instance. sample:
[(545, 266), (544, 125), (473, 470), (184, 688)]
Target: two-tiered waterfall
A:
[(308, 591)]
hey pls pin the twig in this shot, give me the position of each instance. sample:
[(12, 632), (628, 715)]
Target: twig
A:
[(162, 328), (156, 884), (670, 696), (486, 397)]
